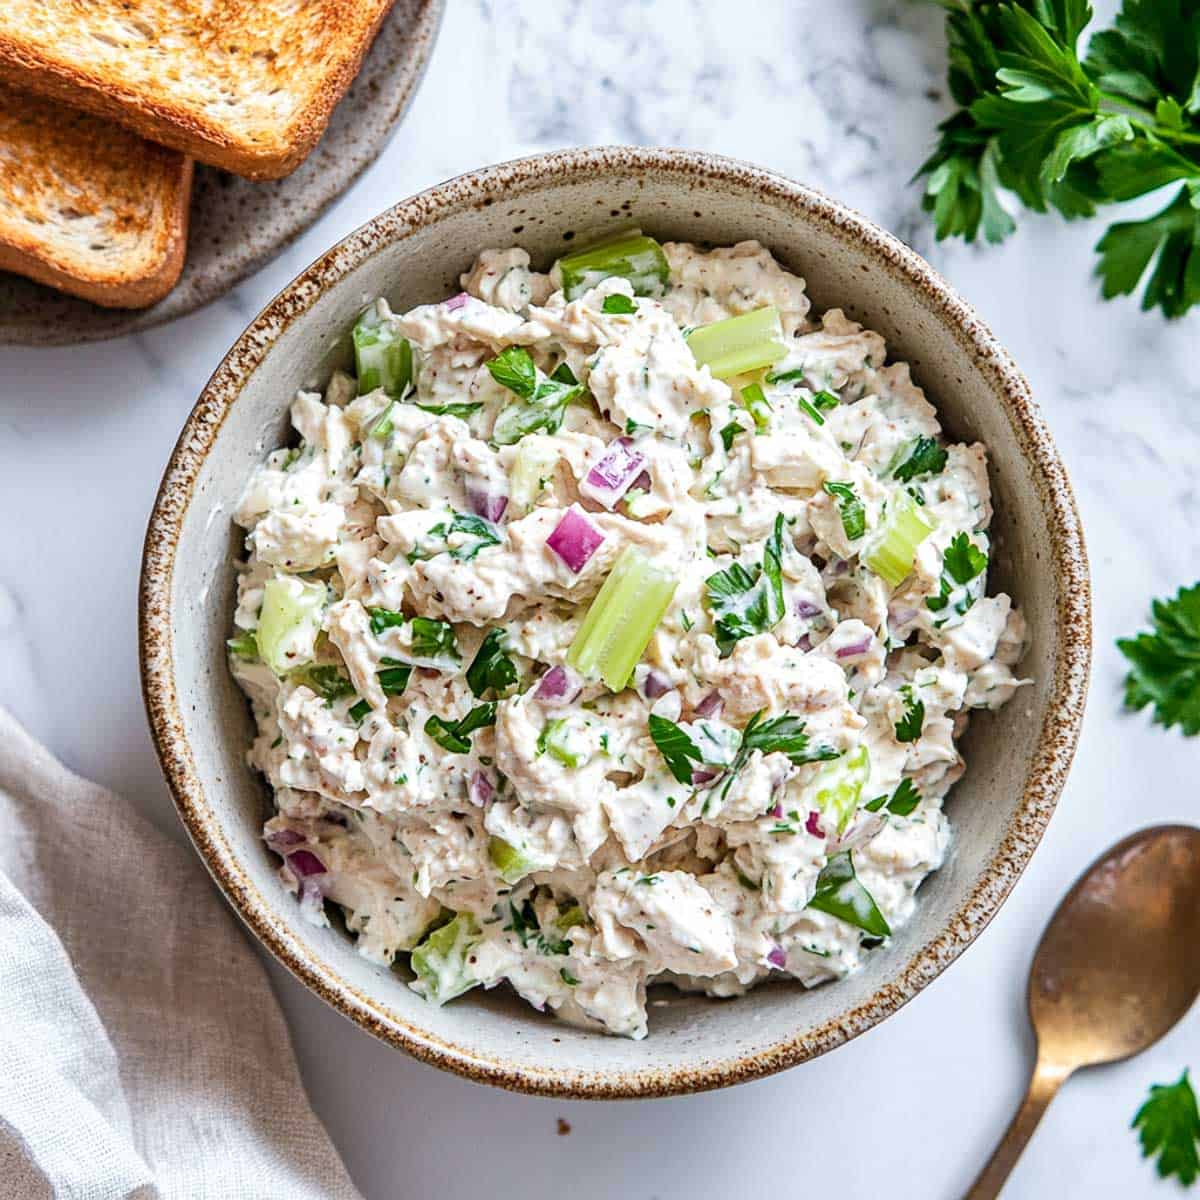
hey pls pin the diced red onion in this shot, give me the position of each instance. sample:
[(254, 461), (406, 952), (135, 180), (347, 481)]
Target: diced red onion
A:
[(480, 790), (804, 642), (812, 824), (710, 705), (777, 957), (428, 672), (902, 616), (457, 302), (855, 648), (806, 608), (857, 834), (642, 482), (777, 811), (701, 777), (575, 539), (305, 863), (558, 686), (484, 501), (655, 684), (613, 475), (280, 839)]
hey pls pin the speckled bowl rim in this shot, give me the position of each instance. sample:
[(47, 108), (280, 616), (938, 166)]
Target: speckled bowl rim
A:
[(1064, 711)]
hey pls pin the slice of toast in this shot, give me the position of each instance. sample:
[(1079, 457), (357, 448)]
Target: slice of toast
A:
[(87, 206), (247, 85)]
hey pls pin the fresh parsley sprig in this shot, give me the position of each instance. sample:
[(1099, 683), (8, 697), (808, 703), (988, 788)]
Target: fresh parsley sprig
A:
[(748, 600), (1168, 1126), (455, 736), (1075, 133), (1164, 665)]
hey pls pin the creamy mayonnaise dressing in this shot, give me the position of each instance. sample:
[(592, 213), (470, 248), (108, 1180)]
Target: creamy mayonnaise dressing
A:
[(552, 825)]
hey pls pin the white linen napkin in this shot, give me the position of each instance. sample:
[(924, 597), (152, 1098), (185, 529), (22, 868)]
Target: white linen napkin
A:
[(142, 1053)]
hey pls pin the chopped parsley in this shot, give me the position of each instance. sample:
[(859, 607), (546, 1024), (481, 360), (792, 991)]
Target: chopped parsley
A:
[(902, 801), (746, 601), (962, 563), (854, 514), (618, 304), (434, 640), (908, 728), (841, 895), (923, 457), (542, 399), (491, 667), (1168, 1126), (455, 736), (384, 618)]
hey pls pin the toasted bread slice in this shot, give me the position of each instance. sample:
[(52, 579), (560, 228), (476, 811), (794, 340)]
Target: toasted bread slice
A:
[(247, 85), (87, 206)]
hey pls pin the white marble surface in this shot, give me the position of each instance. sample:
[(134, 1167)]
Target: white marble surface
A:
[(843, 96)]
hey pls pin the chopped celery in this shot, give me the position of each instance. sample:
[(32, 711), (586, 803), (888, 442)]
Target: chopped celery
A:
[(758, 406), (245, 645), (631, 255), (622, 619), (835, 790), (289, 622), (440, 961), (383, 359), (563, 742), (903, 530), (739, 344), (840, 894), (533, 464), (514, 863)]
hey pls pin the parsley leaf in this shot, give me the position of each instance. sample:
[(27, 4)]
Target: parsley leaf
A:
[(491, 667), (908, 728), (455, 736), (393, 679), (1073, 133), (1168, 1126), (676, 747), (543, 399), (781, 735), (384, 618), (461, 410), (618, 304), (901, 802), (962, 563), (1165, 664), (840, 894), (746, 601), (924, 457), (326, 680), (854, 515), (484, 533), (434, 640)]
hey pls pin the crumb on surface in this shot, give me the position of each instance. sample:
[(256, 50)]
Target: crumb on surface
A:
[(563, 1127)]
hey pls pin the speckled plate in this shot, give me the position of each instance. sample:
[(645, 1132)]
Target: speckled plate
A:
[(413, 254), (237, 225)]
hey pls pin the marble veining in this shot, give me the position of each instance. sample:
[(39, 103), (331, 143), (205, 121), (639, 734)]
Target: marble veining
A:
[(843, 96)]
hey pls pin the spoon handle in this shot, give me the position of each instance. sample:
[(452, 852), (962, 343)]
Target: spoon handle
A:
[(1047, 1078)]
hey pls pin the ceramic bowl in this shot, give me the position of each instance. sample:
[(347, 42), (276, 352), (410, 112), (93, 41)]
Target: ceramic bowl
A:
[(413, 253)]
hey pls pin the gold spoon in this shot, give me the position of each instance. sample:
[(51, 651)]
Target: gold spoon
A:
[(1116, 968)]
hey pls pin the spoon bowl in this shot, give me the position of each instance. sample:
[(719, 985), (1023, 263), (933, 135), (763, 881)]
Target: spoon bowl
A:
[(1112, 973)]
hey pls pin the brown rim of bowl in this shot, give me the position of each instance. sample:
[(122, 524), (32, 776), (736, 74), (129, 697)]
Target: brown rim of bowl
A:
[(506, 181)]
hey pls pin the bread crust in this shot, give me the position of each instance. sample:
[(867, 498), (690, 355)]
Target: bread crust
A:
[(87, 207), (346, 27)]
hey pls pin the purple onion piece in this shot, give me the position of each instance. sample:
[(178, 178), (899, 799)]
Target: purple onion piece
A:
[(485, 502), (804, 642), (812, 824), (281, 839), (710, 705), (575, 539), (902, 616), (457, 302), (806, 608), (613, 475), (305, 863), (777, 811), (480, 791), (862, 831), (558, 686), (700, 777), (642, 482), (777, 957), (655, 684), (855, 648)]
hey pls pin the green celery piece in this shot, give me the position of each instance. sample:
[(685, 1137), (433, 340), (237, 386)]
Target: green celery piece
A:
[(758, 406), (244, 646), (836, 789), (291, 610), (382, 357), (555, 739), (631, 255), (533, 462), (902, 531), (440, 961), (840, 894), (511, 862), (621, 620), (739, 344)]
